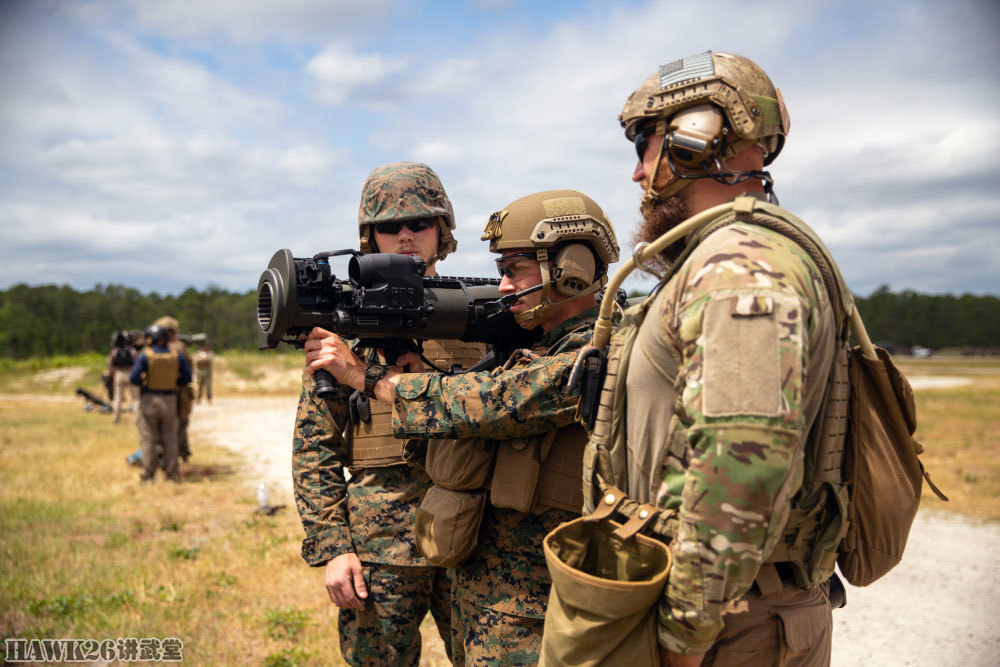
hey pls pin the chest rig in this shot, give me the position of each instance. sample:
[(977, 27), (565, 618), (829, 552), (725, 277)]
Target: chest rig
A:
[(370, 443), (817, 521)]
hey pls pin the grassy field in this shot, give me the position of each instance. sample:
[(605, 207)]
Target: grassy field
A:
[(88, 553)]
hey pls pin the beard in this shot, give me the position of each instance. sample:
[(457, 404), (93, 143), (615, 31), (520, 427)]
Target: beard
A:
[(658, 219)]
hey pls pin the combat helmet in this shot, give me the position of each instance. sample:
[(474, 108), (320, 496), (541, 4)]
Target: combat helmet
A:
[(405, 191), (729, 103), (169, 323), (157, 334), (572, 239)]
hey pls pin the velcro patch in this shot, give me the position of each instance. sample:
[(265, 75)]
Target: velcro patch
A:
[(560, 206), (742, 371)]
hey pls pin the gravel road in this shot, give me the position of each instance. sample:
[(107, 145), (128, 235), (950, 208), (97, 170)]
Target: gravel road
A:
[(938, 607)]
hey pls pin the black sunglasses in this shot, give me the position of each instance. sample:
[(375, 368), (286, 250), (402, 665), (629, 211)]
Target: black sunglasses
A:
[(642, 140), (505, 270), (394, 227)]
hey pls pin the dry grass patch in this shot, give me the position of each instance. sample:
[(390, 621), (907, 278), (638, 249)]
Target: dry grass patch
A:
[(89, 552)]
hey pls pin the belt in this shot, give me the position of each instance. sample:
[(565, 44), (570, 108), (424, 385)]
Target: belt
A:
[(165, 392)]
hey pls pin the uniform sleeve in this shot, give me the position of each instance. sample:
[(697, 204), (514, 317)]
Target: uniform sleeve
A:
[(525, 400), (135, 376), (318, 465), (743, 323)]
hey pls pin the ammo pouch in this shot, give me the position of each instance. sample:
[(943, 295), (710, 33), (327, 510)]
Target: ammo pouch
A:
[(540, 473), (461, 465), (446, 525), (607, 580)]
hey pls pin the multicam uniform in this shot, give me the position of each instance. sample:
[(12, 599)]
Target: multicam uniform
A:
[(725, 375), (502, 589), (372, 515)]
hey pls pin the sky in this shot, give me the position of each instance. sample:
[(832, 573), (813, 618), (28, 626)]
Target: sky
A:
[(173, 144)]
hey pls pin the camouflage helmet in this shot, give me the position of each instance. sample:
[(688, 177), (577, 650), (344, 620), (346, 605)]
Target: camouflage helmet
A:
[(169, 323), (405, 191), (753, 106), (573, 241)]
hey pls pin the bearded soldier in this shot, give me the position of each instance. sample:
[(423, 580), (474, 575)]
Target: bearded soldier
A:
[(361, 529), (517, 463), (715, 382)]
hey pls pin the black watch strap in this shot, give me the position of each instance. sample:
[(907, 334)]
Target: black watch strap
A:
[(373, 373)]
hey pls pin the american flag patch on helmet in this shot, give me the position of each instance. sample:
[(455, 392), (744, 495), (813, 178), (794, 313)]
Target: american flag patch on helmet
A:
[(692, 67)]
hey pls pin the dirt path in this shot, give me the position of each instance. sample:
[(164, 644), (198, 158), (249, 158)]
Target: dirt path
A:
[(938, 607)]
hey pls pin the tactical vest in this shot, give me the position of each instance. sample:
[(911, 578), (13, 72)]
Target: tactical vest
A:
[(540, 472), (817, 520), (163, 369), (370, 443)]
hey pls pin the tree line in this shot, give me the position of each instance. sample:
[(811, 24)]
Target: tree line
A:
[(37, 321)]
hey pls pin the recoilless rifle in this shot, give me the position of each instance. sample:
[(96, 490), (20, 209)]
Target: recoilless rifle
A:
[(386, 303)]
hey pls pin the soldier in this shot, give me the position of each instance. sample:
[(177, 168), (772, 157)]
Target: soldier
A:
[(121, 358), (554, 251), (361, 529), (725, 371), (185, 394), (160, 371), (203, 364)]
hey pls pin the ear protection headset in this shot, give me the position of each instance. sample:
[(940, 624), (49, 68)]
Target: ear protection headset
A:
[(574, 269), (696, 135)]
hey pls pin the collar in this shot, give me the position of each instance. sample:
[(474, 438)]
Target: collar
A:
[(586, 318)]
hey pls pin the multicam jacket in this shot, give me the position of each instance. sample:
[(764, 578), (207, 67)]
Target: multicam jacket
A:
[(742, 337), (507, 571)]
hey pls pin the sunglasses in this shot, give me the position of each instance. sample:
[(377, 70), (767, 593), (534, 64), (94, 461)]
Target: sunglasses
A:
[(504, 264), (642, 140), (394, 227)]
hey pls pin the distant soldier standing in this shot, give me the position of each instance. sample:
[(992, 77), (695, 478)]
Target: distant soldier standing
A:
[(361, 529), (185, 394), (160, 371), (121, 358), (203, 365)]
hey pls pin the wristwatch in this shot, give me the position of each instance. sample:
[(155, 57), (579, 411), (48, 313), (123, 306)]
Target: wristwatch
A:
[(373, 373)]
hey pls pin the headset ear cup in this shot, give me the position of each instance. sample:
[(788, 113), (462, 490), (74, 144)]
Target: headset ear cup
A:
[(695, 135), (575, 269)]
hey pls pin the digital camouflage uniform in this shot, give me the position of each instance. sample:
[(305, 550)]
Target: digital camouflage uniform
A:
[(739, 342), (372, 512), (372, 515), (502, 588)]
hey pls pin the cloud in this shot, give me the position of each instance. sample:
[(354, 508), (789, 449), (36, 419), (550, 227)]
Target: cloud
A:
[(340, 72)]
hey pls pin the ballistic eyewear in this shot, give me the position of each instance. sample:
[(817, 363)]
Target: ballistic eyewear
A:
[(394, 227)]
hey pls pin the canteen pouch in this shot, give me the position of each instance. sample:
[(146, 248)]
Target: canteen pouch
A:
[(607, 581), (462, 464), (446, 526)]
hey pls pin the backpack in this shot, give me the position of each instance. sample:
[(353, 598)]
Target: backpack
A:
[(122, 357), (856, 513)]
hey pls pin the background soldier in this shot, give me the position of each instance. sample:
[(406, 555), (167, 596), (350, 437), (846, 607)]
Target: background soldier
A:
[(203, 365), (121, 358), (728, 369), (362, 529), (185, 394), (160, 370), (520, 412)]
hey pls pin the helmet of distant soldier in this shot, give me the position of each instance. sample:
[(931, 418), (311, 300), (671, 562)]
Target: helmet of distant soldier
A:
[(169, 323), (405, 191), (753, 108), (157, 334), (570, 236)]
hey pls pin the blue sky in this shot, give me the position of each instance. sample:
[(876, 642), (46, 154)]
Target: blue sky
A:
[(170, 144)]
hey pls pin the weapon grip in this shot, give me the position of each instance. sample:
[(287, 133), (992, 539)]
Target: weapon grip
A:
[(325, 385)]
